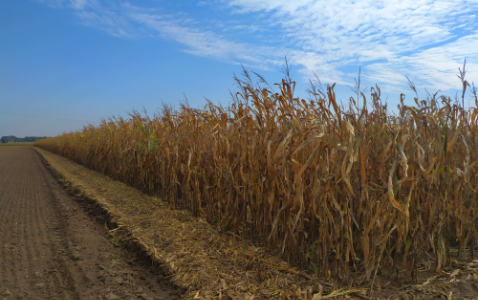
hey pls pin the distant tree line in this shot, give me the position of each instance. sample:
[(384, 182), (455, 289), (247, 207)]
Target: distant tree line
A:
[(27, 139)]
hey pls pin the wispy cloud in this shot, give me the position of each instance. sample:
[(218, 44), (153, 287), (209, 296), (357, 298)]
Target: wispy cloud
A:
[(434, 67), (109, 21), (415, 38), (75, 4), (79, 4), (205, 43), (424, 39)]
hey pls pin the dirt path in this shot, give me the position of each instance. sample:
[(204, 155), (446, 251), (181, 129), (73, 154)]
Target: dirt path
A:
[(51, 249)]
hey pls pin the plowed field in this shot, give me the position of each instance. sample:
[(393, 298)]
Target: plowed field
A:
[(50, 248)]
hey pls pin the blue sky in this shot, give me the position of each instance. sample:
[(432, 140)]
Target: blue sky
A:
[(68, 63)]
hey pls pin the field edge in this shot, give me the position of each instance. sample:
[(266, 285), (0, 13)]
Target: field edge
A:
[(257, 272)]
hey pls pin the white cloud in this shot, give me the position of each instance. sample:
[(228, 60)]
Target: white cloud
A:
[(205, 43), (392, 38), (435, 67), (258, 5), (79, 4), (108, 21), (249, 28), (313, 62), (423, 39)]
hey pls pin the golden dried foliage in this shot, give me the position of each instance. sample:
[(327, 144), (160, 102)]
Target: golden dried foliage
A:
[(342, 191)]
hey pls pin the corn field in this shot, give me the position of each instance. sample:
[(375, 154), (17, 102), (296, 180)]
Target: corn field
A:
[(341, 190)]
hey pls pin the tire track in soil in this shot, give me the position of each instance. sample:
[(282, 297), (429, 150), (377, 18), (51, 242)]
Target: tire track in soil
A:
[(51, 249)]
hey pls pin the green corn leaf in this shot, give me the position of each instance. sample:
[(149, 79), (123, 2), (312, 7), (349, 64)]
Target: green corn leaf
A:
[(409, 243)]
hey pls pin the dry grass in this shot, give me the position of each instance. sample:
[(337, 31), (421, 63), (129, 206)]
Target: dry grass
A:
[(345, 191)]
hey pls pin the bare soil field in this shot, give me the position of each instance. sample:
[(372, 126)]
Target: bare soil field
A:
[(51, 249)]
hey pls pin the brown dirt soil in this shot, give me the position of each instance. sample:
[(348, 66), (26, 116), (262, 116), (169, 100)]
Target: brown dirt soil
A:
[(51, 249), (197, 258)]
